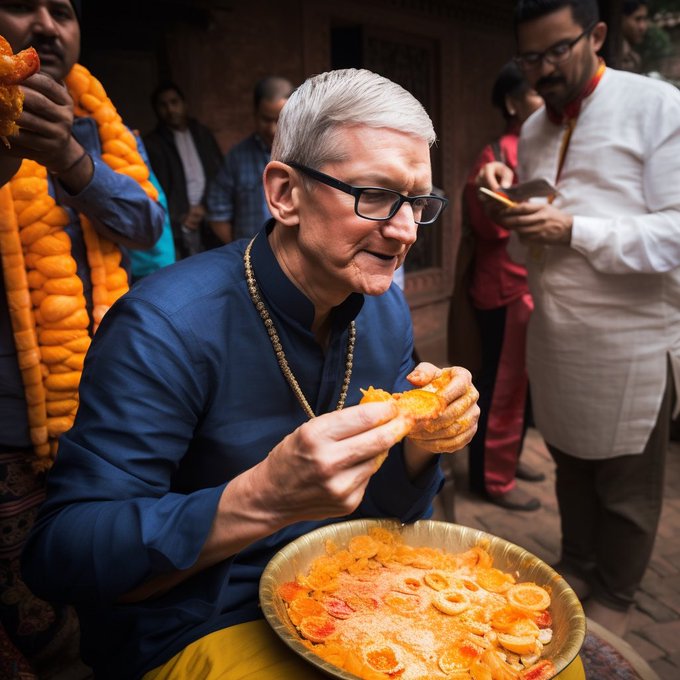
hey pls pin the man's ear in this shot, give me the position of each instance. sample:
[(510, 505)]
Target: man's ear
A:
[(599, 34), (282, 191)]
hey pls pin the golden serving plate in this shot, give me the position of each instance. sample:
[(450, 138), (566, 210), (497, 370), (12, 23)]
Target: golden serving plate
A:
[(569, 622)]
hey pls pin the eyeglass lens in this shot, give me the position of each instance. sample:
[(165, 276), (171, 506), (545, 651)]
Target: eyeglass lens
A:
[(380, 204)]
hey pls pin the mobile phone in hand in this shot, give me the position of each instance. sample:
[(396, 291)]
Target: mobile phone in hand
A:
[(534, 188), (499, 196)]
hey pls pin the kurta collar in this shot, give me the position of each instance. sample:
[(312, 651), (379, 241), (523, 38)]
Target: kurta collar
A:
[(281, 293)]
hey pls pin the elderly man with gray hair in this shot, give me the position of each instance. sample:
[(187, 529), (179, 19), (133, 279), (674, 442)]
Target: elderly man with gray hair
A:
[(220, 414)]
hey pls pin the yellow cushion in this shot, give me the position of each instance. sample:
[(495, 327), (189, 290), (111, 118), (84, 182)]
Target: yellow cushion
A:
[(252, 651)]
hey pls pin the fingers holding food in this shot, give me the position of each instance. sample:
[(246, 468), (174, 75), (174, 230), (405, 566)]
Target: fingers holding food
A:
[(440, 415), (457, 424), (414, 406)]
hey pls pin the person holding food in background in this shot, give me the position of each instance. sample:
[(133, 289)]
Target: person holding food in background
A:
[(56, 278), (498, 295), (220, 414), (603, 258)]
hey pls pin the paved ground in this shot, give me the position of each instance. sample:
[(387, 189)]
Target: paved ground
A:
[(655, 625)]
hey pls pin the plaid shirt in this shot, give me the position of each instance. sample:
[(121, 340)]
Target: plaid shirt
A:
[(236, 194)]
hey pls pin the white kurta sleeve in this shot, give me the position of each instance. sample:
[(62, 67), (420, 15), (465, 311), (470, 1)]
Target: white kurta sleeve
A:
[(647, 242)]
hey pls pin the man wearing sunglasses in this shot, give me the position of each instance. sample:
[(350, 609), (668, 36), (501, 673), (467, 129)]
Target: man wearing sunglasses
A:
[(219, 407), (603, 259)]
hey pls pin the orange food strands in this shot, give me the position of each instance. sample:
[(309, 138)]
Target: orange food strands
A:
[(424, 621), (47, 306)]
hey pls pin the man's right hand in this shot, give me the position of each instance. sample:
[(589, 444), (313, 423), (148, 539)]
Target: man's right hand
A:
[(318, 471), (321, 470), (494, 176), (45, 133), (45, 124), (192, 220)]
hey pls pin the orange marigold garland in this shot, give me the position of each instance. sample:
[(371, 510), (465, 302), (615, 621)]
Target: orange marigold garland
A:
[(119, 152), (47, 305), (23, 322)]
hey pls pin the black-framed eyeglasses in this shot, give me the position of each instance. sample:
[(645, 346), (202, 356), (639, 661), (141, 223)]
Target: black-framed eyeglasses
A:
[(557, 54), (376, 203)]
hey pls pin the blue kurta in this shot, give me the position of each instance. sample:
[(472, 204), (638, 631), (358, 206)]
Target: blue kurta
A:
[(181, 393)]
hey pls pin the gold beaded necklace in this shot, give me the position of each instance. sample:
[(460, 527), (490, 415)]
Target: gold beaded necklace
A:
[(278, 348)]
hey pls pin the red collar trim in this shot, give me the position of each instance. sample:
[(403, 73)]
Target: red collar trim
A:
[(573, 108)]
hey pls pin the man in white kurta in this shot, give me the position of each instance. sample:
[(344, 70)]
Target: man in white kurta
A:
[(608, 310), (604, 269)]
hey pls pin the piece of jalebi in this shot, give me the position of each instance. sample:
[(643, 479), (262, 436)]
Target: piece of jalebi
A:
[(421, 406), (14, 69)]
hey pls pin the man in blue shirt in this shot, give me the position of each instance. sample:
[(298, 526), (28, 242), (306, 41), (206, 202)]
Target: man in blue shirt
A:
[(219, 415), (236, 204)]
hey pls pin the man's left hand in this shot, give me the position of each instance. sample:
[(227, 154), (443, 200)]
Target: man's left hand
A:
[(539, 223), (457, 425)]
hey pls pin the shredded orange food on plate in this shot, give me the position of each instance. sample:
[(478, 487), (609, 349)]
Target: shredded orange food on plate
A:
[(381, 609), (51, 326)]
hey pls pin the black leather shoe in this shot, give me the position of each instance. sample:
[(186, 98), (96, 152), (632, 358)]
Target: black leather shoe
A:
[(528, 474), (516, 499)]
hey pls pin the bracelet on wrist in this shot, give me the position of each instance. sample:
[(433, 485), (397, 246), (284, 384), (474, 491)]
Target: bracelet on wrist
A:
[(70, 167)]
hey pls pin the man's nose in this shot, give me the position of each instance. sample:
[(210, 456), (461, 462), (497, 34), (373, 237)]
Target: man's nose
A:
[(545, 68), (402, 225), (43, 21)]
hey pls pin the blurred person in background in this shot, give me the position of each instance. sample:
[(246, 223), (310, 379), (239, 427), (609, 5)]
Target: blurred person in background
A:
[(185, 157), (499, 295), (236, 203), (634, 26)]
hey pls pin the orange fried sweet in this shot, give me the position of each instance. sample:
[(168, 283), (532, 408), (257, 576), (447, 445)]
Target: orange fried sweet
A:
[(292, 589), (14, 69), (426, 407), (384, 659), (317, 628), (528, 596), (419, 405), (416, 405), (494, 580), (459, 656), (302, 607)]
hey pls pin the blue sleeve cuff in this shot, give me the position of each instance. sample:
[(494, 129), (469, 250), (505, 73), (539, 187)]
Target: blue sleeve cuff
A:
[(118, 202)]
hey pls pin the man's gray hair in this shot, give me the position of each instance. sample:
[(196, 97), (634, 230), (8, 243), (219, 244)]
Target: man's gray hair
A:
[(323, 103)]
